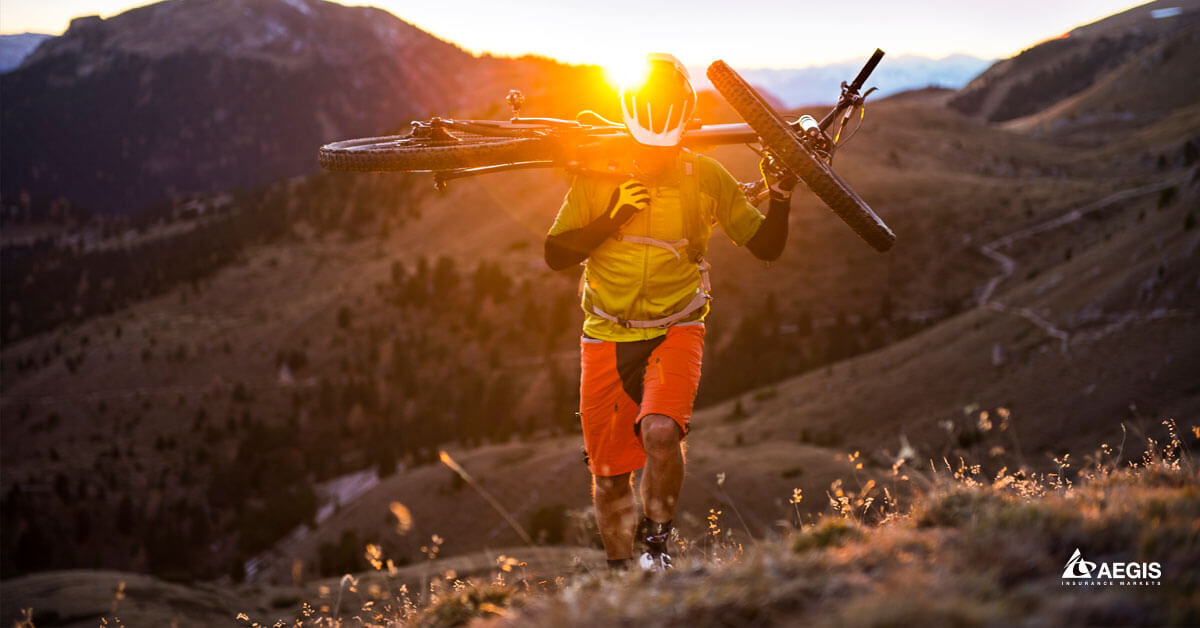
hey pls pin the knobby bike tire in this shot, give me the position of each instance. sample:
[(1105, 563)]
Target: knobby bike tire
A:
[(778, 137), (400, 153)]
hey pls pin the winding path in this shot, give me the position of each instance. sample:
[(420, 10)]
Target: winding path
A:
[(1008, 265)]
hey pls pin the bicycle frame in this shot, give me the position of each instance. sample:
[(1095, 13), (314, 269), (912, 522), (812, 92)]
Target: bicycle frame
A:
[(582, 140), (575, 141), (593, 146)]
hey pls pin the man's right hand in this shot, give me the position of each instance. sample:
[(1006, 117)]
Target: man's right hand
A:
[(572, 247), (628, 199)]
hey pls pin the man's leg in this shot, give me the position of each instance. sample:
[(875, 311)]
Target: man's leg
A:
[(615, 514), (672, 375), (663, 476), (607, 414)]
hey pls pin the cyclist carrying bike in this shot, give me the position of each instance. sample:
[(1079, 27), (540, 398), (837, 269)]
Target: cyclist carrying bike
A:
[(645, 296)]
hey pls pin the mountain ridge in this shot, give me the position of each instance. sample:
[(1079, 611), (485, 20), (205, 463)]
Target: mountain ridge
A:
[(16, 47), (120, 113), (284, 32), (1047, 73), (818, 84)]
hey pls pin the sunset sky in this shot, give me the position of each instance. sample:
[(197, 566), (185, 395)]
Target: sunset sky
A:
[(748, 33)]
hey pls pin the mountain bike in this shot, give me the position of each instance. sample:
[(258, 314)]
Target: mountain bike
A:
[(453, 149)]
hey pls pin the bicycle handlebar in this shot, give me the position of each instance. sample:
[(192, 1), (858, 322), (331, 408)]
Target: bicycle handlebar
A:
[(866, 71), (850, 92)]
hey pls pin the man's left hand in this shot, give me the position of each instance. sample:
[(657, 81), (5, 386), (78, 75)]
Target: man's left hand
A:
[(780, 181)]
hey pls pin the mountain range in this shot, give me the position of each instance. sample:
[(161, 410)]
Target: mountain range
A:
[(191, 96), (139, 109), (818, 85), (1052, 71)]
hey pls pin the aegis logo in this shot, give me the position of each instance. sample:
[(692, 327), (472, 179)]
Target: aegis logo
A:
[(1082, 572), (1077, 567)]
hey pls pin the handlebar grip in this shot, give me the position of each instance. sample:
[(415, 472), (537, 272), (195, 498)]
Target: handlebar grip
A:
[(866, 71)]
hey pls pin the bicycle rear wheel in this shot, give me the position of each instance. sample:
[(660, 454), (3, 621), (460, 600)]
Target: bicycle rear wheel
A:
[(403, 153), (777, 136)]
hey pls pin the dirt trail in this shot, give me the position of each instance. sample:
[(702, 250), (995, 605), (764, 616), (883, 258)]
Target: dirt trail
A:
[(1008, 265)]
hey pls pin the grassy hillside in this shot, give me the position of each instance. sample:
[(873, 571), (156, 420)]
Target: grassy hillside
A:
[(976, 550), (973, 548), (1151, 85), (1060, 69)]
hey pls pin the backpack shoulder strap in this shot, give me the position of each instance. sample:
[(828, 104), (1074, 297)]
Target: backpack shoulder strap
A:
[(693, 208)]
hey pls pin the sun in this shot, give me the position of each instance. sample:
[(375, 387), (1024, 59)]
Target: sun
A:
[(625, 70)]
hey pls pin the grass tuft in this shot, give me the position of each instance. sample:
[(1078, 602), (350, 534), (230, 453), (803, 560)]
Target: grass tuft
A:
[(826, 533), (460, 607)]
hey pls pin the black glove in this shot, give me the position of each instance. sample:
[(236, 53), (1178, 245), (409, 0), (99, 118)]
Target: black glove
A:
[(779, 179), (572, 247), (628, 199)]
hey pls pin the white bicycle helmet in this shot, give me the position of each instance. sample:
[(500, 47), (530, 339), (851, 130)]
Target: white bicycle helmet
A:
[(658, 109)]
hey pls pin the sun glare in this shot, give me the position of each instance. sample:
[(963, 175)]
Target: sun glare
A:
[(624, 71)]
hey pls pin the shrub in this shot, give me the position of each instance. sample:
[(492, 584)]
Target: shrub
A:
[(956, 507), (738, 412), (1166, 196), (342, 557), (548, 524), (828, 532), (766, 394), (792, 472), (463, 606)]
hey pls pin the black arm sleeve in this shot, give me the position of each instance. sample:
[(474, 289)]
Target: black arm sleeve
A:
[(767, 243), (572, 247)]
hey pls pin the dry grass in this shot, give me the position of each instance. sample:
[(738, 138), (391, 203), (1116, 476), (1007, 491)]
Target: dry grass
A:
[(973, 550), (968, 547)]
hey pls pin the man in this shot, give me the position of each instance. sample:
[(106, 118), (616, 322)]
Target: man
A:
[(645, 296)]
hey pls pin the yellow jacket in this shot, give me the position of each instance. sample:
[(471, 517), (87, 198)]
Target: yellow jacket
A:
[(652, 267)]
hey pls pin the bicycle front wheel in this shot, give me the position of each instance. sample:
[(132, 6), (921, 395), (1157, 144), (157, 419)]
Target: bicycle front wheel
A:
[(412, 154), (777, 136)]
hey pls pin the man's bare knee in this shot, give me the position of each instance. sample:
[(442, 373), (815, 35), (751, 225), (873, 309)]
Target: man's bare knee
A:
[(660, 435), (612, 486)]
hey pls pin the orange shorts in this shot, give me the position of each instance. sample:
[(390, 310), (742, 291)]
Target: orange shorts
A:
[(625, 381)]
